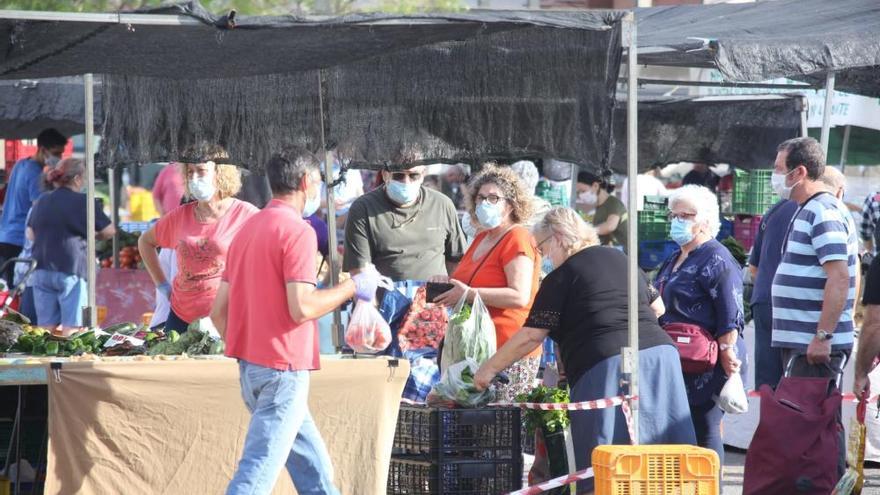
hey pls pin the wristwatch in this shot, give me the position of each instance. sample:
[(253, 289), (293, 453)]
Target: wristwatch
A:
[(824, 336)]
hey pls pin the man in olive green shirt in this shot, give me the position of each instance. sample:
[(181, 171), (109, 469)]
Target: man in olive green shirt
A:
[(407, 231)]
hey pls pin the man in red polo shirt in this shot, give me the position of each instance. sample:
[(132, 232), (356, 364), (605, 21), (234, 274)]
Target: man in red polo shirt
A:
[(269, 326)]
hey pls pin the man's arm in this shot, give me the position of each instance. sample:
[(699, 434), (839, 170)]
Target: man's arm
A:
[(868, 348), (220, 309), (305, 302), (835, 295), (357, 243)]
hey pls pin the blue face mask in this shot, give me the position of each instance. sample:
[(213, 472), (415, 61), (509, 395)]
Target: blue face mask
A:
[(682, 231), (311, 206), (403, 193), (490, 215), (202, 188), (547, 265)]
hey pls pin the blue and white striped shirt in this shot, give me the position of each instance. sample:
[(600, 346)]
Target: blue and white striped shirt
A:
[(822, 230)]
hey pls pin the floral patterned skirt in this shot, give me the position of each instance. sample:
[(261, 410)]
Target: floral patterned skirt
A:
[(522, 374)]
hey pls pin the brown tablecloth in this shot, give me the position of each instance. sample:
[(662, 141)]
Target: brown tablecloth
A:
[(178, 427)]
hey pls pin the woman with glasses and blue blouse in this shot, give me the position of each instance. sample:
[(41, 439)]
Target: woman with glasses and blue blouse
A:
[(502, 265), (701, 284)]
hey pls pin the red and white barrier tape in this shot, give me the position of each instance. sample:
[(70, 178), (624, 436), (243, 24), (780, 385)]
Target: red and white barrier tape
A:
[(555, 483), (569, 406)]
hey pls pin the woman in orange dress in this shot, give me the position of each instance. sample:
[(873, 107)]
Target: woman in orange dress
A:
[(502, 265)]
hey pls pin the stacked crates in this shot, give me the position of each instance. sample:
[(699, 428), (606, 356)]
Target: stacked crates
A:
[(654, 244), (456, 451), (752, 193), (655, 469)]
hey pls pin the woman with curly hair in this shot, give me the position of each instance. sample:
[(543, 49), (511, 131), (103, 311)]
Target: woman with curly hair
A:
[(501, 265), (199, 232)]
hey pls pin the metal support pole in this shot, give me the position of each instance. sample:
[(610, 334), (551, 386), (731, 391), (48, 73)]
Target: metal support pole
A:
[(630, 354), (844, 148), (574, 183), (333, 253), (805, 110), (826, 114), (114, 213), (91, 314)]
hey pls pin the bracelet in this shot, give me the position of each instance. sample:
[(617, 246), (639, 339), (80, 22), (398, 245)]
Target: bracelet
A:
[(724, 347)]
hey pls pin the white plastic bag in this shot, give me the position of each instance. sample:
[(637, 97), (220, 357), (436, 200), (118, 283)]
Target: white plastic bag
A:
[(367, 331), (457, 385), (470, 335), (733, 398)]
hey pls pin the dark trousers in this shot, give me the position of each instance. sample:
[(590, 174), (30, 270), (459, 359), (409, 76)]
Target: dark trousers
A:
[(7, 252), (707, 426), (801, 368), (768, 359), (175, 323)]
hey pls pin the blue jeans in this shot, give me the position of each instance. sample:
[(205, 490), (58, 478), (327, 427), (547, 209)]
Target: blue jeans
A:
[(27, 305), (281, 434), (59, 298), (768, 359)]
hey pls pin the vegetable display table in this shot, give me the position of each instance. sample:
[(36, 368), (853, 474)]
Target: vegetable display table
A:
[(177, 426)]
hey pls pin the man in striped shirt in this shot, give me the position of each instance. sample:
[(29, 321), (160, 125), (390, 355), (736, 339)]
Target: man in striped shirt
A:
[(814, 288)]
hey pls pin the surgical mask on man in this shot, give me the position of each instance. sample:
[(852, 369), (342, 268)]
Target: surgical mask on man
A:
[(312, 205), (202, 188), (682, 231), (777, 182), (403, 193), (490, 215), (52, 161)]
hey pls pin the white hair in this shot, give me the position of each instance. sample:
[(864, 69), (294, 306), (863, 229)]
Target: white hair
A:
[(528, 172), (704, 202)]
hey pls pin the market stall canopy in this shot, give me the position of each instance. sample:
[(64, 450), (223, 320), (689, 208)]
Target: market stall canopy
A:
[(766, 40), (29, 106), (468, 86), (742, 131)]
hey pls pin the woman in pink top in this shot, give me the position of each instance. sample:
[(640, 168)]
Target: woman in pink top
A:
[(200, 233)]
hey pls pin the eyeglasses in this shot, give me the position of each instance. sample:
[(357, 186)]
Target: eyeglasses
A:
[(492, 198), (538, 246), (681, 215), (401, 176)]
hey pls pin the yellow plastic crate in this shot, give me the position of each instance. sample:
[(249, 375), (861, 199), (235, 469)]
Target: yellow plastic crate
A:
[(655, 470)]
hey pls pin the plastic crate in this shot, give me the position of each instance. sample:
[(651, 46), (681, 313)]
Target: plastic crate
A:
[(484, 433), (653, 225), (656, 203), (462, 477), (752, 192), (653, 253), (745, 229), (655, 470)]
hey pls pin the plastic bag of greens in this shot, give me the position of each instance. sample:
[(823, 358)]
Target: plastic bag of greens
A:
[(457, 385), (470, 335)]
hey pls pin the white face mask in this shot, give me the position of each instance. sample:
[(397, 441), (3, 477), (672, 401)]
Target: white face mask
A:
[(777, 182), (588, 197), (202, 188)]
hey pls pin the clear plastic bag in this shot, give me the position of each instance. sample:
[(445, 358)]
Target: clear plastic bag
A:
[(367, 331), (425, 324), (471, 334), (457, 385), (733, 398)]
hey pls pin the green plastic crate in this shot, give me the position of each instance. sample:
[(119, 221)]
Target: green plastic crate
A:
[(752, 192), (653, 225)]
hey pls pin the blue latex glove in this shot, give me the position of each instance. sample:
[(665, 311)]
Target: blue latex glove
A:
[(366, 282), (165, 289)]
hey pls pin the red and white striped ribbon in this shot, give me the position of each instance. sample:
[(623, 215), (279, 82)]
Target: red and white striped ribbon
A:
[(570, 406), (555, 483)]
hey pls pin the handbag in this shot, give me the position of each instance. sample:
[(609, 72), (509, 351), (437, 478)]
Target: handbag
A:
[(697, 348)]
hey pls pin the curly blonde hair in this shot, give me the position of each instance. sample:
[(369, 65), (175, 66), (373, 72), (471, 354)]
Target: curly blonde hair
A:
[(227, 178), (573, 232), (519, 199)]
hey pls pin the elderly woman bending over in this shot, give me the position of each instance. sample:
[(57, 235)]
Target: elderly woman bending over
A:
[(701, 284), (582, 306)]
